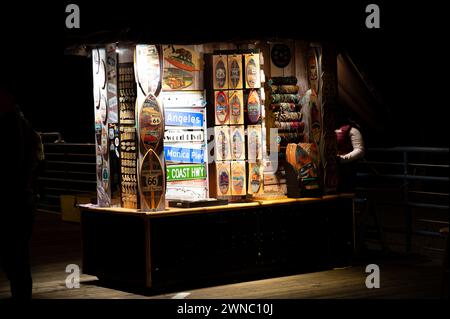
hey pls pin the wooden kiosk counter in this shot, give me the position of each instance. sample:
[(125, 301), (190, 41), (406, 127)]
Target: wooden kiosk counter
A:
[(228, 242)]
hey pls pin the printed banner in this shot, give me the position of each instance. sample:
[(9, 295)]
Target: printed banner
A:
[(186, 119), (183, 155), (182, 68)]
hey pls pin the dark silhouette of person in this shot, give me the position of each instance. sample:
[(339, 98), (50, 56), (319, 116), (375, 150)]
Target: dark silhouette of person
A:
[(21, 151), (350, 149)]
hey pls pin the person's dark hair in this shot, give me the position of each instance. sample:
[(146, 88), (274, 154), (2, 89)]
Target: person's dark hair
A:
[(340, 117), (343, 117)]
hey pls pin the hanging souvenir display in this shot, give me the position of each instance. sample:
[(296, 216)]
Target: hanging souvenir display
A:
[(101, 127), (111, 69), (235, 108), (129, 148), (285, 116)]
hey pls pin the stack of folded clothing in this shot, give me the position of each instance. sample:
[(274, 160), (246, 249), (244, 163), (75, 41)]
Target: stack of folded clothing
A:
[(284, 114), (285, 107)]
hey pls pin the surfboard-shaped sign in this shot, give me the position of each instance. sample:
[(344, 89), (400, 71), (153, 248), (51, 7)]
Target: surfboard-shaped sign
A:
[(254, 107), (235, 71), (238, 185), (222, 108), (255, 178), (236, 103), (148, 68), (252, 71), (313, 70), (151, 123), (223, 170), (222, 143), (237, 142), (220, 72), (254, 146), (152, 180)]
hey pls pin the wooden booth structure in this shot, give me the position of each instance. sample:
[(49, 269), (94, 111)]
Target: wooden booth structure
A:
[(193, 182)]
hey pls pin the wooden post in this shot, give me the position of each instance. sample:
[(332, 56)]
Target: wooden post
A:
[(328, 98)]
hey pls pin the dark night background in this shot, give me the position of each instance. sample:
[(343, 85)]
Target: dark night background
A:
[(404, 59)]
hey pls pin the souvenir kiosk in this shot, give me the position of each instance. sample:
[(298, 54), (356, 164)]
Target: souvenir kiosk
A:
[(214, 161)]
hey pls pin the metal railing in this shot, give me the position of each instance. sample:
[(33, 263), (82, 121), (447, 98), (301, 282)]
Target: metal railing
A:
[(413, 178), (69, 170)]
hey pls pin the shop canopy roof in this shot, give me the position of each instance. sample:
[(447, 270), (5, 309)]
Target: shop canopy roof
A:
[(356, 93)]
